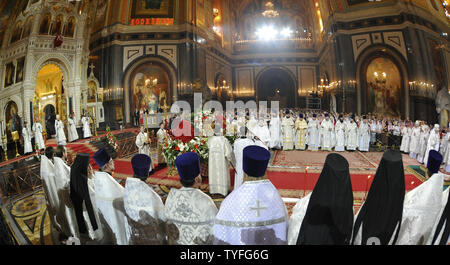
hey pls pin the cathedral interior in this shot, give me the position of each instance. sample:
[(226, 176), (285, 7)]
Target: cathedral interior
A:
[(98, 56), (112, 58)]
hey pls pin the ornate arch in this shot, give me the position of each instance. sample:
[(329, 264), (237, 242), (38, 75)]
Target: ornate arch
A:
[(139, 62), (58, 60), (277, 67), (371, 53)]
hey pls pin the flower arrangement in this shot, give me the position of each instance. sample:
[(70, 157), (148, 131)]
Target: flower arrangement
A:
[(111, 139)]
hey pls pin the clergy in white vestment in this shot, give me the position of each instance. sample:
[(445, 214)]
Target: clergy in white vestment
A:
[(161, 136), (380, 215), (327, 131), (251, 124), (189, 212), (253, 214), (26, 134), (275, 131), (143, 142), (107, 192), (144, 208), (364, 136), (38, 138), (433, 142), (262, 134), (86, 129), (352, 135), (287, 131), (60, 134), (65, 214), (420, 211), (340, 135), (443, 144), (72, 129), (313, 134), (220, 153), (47, 171), (441, 228), (373, 131), (325, 216), (423, 141), (406, 138), (238, 148), (301, 130), (82, 196), (414, 146)]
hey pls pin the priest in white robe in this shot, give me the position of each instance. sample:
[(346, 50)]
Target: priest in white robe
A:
[(254, 214), (301, 129), (47, 171), (352, 135), (107, 192), (86, 129), (340, 135), (433, 142), (327, 131), (423, 140), (325, 216), (364, 136), (189, 212), (38, 138), (443, 144), (144, 209), (72, 130), (313, 134), (414, 146), (143, 141), (251, 124), (65, 214), (406, 138), (262, 134), (275, 131), (60, 134), (26, 134), (287, 131), (441, 227), (220, 153), (422, 206), (238, 148)]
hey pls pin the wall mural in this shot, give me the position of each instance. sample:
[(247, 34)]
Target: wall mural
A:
[(150, 86), (152, 8), (12, 119), (438, 63), (384, 84)]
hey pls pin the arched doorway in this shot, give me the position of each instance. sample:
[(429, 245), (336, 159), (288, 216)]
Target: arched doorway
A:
[(382, 83), (383, 86), (276, 84), (149, 84), (12, 119), (50, 98)]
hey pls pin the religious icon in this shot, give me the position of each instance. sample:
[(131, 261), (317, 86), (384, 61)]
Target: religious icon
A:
[(57, 26), (17, 32), (69, 29), (27, 28), (92, 91), (20, 65), (9, 74)]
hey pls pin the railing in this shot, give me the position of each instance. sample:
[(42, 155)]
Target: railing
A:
[(18, 181), (296, 44)]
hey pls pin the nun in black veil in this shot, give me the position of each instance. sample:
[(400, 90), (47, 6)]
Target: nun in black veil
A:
[(329, 216), (380, 217), (79, 192)]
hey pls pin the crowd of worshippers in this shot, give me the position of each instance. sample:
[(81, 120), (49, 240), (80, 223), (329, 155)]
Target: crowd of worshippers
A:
[(93, 207), (293, 129)]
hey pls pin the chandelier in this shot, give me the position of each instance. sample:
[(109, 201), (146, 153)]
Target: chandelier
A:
[(269, 12)]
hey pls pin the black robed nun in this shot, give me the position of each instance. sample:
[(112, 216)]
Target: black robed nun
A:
[(79, 191), (445, 218), (329, 215), (383, 208)]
